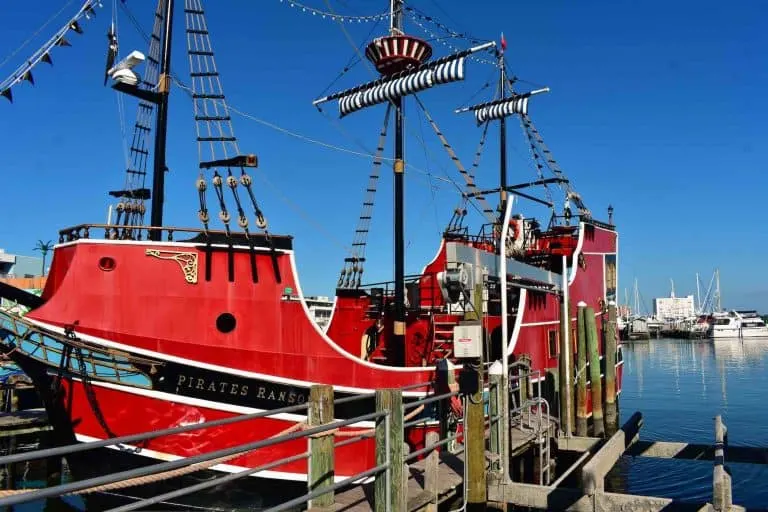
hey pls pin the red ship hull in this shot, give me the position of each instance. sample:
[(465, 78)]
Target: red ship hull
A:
[(164, 302)]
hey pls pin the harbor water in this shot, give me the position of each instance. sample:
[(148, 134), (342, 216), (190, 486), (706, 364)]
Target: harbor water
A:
[(679, 386)]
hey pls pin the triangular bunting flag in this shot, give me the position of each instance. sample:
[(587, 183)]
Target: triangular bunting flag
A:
[(62, 42), (28, 77), (90, 11), (47, 58), (76, 27), (7, 93)]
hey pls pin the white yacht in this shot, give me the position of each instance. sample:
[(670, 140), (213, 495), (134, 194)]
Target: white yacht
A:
[(737, 324)]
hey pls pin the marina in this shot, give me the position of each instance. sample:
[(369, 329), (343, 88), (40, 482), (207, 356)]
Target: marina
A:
[(173, 357)]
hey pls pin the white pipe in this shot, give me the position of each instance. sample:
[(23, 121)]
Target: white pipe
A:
[(566, 352), (505, 337), (109, 216)]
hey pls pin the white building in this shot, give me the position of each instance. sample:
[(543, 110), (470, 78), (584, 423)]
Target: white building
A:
[(674, 308), (320, 307)]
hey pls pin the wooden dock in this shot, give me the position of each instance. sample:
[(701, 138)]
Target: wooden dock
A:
[(27, 421), (448, 479)]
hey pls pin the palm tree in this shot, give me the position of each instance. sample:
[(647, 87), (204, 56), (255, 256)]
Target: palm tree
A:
[(44, 247)]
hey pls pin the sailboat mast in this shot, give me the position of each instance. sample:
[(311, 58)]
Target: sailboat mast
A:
[(717, 289), (161, 129), (698, 295), (396, 27), (502, 137)]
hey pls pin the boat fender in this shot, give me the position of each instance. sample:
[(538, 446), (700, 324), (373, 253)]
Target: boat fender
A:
[(582, 261), (515, 230)]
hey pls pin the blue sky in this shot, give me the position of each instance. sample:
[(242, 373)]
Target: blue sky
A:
[(655, 107)]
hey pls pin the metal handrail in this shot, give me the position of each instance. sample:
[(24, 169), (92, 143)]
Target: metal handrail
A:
[(80, 485), (64, 450), (429, 400)]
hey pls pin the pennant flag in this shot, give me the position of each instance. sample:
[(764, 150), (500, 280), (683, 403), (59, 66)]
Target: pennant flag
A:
[(7, 93), (47, 58), (62, 42), (503, 42), (76, 27), (28, 77)]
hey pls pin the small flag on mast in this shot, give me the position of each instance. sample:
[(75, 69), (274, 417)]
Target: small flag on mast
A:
[(503, 42)]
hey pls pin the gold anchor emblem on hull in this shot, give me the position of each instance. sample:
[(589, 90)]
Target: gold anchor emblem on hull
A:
[(187, 261)]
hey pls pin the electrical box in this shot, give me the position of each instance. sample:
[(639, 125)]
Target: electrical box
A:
[(468, 340)]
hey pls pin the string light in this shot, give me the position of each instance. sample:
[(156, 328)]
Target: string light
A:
[(437, 38), (336, 17)]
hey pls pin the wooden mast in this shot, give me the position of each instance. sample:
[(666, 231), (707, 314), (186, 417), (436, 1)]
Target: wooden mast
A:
[(160, 167), (396, 27)]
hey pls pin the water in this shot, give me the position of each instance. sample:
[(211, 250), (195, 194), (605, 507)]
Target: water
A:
[(679, 386)]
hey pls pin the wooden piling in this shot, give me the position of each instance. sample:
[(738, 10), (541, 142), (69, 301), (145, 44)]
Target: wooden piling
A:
[(722, 497), (594, 373), (474, 442), (611, 412), (566, 375), (581, 373), (389, 447), (321, 459)]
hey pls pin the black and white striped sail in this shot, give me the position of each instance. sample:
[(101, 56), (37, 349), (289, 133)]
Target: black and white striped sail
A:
[(499, 109), (392, 89), (443, 71), (507, 108)]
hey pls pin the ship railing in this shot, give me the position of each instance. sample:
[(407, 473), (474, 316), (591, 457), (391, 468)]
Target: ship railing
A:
[(126, 232), (416, 301)]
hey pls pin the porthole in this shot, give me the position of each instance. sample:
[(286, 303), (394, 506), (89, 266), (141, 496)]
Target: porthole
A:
[(226, 322), (107, 264)]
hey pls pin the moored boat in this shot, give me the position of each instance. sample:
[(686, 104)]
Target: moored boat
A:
[(145, 327)]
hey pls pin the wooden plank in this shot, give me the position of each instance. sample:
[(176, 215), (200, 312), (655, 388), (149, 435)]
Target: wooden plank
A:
[(577, 443), (431, 472), (548, 498), (360, 498), (692, 451), (23, 422)]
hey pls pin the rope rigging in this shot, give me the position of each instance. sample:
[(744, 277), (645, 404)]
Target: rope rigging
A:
[(417, 19), (43, 54), (352, 272), (216, 142), (131, 206), (470, 182)]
